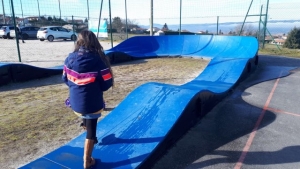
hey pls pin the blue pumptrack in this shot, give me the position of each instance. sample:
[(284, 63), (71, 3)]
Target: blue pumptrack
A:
[(18, 72), (155, 115)]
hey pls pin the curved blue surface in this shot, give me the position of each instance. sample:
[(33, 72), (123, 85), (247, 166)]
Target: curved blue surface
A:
[(154, 115), (18, 72)]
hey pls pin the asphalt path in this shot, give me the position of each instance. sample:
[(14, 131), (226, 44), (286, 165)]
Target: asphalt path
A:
[(256, 126)]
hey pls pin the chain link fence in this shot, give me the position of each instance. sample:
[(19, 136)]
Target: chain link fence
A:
[(127, 18)]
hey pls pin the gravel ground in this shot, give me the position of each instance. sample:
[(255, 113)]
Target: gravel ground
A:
[(41, 54)]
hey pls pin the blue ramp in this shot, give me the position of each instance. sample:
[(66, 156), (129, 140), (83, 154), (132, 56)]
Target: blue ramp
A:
[(155, 115), (18, 72)]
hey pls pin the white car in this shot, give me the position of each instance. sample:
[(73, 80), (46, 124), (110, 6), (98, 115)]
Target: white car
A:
[(5, 31), (55, 32)]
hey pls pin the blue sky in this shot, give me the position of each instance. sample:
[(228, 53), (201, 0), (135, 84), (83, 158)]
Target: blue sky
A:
[(165, 11)]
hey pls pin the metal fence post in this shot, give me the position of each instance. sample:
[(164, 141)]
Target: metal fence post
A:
[(111, 36), (265, 24), (217, 25), (245, 18), (151, 18), (180, 17), (99, 19), (73, 26), (126, 19), (3, 12), (14, 20), (39, 8), (59, 13)]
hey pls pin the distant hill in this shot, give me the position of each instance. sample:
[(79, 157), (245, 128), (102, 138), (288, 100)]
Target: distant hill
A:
[(274, 26)]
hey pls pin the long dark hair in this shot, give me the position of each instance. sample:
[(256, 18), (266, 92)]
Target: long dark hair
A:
[(88, 40)]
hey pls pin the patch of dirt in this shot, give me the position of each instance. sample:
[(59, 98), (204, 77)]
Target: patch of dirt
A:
[(35, 121)]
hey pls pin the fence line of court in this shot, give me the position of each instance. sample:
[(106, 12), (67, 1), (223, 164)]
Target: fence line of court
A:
[(132, 18)]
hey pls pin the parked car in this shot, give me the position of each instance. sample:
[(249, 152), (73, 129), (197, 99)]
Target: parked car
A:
[(5, 31), (55, 32), (27, 32)]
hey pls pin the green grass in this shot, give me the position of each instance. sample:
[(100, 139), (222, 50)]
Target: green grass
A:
[(279, 51)]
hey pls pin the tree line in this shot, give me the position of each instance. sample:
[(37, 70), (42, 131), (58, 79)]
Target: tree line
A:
[(293, 39), (119, 25)]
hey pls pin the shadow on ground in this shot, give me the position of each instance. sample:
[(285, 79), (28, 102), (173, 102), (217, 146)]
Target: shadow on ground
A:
[(231, 119), (53, 80)]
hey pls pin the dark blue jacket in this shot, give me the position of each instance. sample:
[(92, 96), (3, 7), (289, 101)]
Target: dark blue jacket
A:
[(87, 77)]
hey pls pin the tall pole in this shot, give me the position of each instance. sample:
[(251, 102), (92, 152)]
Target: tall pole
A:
[(3, 13), (111, 37), (265, 25), (59, 10), (73, 26), (10, 7), (180, 17), (245, 18), (88, 10), (126, 19), (217, 25), (151, 18), (38, 8), (99, 18), (14, 21), (258, 33), (22, 11)]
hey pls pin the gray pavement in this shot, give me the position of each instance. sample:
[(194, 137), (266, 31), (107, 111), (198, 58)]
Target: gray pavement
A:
[(269, 95)]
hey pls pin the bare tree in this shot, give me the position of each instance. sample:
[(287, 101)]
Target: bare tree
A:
[(248, 29), (131, 23), (117, 24), (165, 27)]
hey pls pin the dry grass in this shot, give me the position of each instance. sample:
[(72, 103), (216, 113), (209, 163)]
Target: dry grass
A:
[(34, 119)]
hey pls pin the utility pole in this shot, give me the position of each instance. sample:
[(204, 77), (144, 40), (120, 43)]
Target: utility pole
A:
[(3, 12)]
